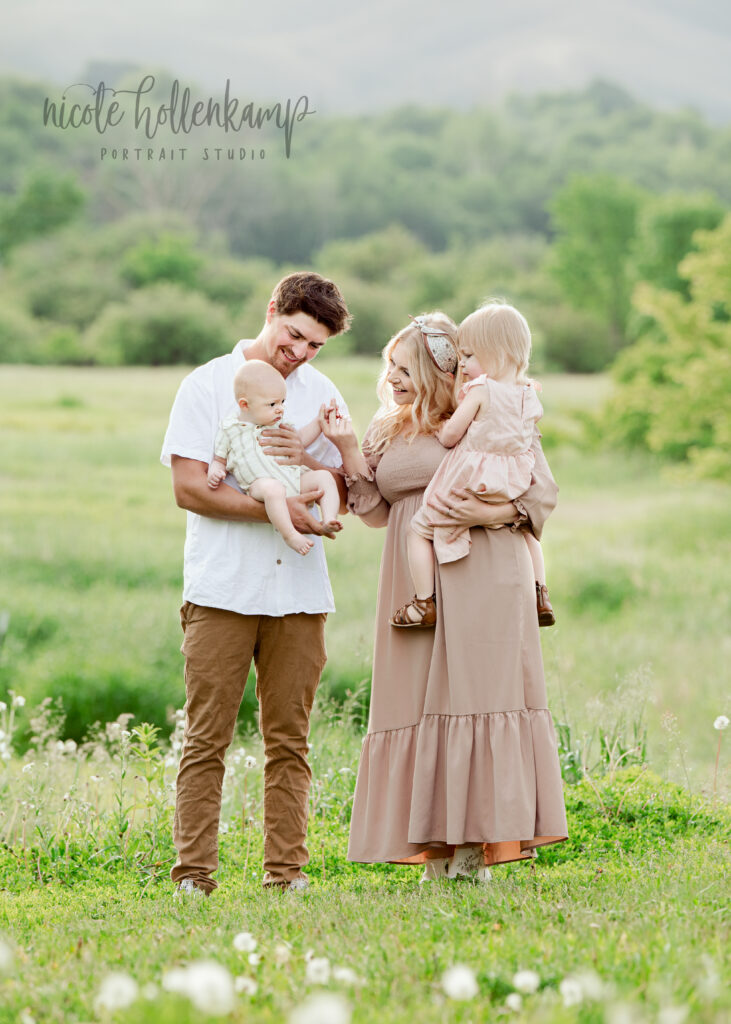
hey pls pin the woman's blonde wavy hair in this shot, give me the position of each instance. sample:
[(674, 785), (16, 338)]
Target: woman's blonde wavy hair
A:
[(435, 390)]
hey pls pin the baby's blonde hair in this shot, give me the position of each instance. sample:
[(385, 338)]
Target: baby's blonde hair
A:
[(435, 389), (254, 374), (500, 334)]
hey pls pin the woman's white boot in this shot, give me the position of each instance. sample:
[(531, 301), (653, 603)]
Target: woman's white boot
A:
[(468, 860), (434, 870)]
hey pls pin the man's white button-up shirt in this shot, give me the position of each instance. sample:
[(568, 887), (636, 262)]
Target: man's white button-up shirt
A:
[(247, 567)]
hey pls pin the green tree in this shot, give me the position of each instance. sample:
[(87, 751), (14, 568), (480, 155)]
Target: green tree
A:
[(665, 235), (672, 386), (595, 220), (46, 202)]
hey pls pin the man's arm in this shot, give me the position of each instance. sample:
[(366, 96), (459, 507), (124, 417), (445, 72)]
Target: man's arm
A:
[(191, 490)]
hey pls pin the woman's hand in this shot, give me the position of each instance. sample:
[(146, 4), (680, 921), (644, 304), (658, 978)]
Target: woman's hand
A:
[(284, 443), (337, 428), (462, 508)]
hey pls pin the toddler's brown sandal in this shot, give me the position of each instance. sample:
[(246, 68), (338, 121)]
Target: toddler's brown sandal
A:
[(427, 609)]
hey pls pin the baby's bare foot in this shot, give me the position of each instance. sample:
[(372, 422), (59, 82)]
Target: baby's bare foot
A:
[(332, 525), (298, 542)]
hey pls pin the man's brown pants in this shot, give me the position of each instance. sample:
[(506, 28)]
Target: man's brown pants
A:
[(289, 656)]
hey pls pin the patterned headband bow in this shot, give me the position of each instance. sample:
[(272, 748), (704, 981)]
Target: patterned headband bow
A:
[(439, 345)]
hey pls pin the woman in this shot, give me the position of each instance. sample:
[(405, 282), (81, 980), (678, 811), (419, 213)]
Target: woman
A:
[(459, 768)]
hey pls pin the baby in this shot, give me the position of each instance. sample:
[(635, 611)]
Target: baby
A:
[(490, 436), (260, 392)]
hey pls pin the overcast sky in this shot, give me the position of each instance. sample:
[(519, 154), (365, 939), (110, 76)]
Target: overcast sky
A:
[(359, 56)]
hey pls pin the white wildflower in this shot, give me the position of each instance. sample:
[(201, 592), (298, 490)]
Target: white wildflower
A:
[(2, 735), (246, 985), (60, 746), (592, 986), (526, 981), (149, 991), (223, 828), (324, 1008), (459, 982), (26, 1018), (672, 1015), (210, 988), (117, 991), (514, 1002), (176, 980), (721, 722), (18, 701), (250, 762), (6, 957), (95, 778), (571, 992), (244, 942), (317, 971), (3, 706), (281, 954), (28, 767), (254, 959), (346, 975), (70, 747)]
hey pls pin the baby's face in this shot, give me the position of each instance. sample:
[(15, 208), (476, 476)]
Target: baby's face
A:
[(265, 405), (471, 367)]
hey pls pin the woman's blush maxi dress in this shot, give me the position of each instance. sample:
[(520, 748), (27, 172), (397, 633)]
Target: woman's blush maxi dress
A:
[(460, 747)]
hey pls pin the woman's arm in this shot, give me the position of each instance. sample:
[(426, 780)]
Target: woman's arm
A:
[(537, 503), (364, 498), (454, 429)]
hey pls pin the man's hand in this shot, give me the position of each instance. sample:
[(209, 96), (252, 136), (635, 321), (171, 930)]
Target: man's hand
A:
[(284, 443), (302, 518)]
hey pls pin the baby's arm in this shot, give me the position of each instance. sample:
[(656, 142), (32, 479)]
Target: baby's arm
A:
[(454, 429), (309, 433), (216, 471)]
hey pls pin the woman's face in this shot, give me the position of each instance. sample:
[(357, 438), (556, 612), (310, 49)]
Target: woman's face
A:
[(399, 376)]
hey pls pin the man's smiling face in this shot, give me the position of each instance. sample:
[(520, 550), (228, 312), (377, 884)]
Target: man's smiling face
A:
[(292, 340)]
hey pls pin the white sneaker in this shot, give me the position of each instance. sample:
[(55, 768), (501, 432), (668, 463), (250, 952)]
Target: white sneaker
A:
[(467, 860), (434, 870), (187, 887)]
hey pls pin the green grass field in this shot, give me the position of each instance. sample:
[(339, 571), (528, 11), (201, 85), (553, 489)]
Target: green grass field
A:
[(91, 548), (628, 918)]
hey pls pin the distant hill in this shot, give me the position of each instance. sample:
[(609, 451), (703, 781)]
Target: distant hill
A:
[(389, 52)]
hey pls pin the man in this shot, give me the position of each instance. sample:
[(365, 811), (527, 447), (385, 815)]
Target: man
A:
[(247, 594)]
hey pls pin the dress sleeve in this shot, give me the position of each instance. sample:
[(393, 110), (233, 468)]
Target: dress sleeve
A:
[(364, 498), (536, 504)]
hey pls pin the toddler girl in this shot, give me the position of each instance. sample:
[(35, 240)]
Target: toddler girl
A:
[(490, 435), (260, 391)]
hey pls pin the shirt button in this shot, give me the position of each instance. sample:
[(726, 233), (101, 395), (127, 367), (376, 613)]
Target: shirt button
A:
[(279, 561)]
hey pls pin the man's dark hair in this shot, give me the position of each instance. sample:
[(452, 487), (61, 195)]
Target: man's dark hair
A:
[(306, 292)]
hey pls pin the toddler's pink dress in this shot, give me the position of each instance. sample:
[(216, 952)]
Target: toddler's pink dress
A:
[(494, 459)]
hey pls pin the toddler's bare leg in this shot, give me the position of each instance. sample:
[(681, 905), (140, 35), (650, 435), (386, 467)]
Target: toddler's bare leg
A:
[(274, 496), (536, 557), (320, 479), (421, 564)]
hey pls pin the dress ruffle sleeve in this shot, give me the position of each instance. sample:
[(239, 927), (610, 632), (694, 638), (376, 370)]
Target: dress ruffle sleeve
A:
[(364, 498), (540, 499)]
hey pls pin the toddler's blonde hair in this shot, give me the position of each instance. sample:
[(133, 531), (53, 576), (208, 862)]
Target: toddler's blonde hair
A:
[(500, 334)]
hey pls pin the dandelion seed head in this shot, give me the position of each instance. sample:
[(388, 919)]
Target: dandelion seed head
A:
[(346, 975), (70, 747), (28, 767), (317, 971), (18, 701), (672, 1015), (176, 980), (721, 723), (250, 762), (3, 706), (7, 957), (324, 1008), (117, 991), (281, 954), (459, 982), (210, 988), (526, 982), (244, 942), (254, 959), (592, 986), (514, 1002), (26, 1018), (246, 986), (149, 991), (571, 992)]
